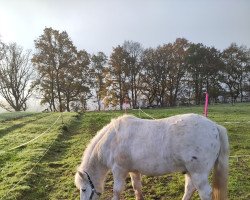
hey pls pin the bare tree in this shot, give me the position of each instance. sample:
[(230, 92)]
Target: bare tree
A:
[(15, 76)]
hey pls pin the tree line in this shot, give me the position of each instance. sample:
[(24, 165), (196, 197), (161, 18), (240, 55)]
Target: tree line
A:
[(171, 74)]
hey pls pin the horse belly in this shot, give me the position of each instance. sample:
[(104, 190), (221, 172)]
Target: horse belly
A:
[(155, 163), (157, 169), (152, 155)]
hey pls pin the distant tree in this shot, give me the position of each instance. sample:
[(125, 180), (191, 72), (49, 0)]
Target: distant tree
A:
[(196, 54), (235, 70), (163, 71), (154, 75), (46, 60), (15, 77), (134, 50), (76, 83), (247, 82), (163, 56), (177, 53), (204, 64), (117, 78), (61, 68), (98, 72), (2, 50), (213, 66), (148, 86)]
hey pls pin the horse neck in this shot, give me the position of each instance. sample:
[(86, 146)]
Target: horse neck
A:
[(96, 170), (91, 162)]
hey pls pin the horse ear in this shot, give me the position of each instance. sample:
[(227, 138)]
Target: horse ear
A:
[(80, 174)]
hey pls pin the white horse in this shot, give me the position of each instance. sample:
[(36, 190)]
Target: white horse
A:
[(187, 143)]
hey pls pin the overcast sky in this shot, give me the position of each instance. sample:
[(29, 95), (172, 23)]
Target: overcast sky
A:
[(99, 25)]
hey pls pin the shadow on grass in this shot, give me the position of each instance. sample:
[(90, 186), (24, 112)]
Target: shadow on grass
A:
[(20, 116), (6, 155), (42, 182), (6, 131)]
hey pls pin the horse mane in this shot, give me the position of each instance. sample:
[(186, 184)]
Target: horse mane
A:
[(113, 125), (90, 147)]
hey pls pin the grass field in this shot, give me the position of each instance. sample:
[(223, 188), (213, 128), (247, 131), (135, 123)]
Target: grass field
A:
[(44, 168), (14, 115)]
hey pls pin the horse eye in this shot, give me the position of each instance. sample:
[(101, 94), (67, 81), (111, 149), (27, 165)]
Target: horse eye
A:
[(83, 190)]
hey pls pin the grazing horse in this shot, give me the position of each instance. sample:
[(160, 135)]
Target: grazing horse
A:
[(187, 143)]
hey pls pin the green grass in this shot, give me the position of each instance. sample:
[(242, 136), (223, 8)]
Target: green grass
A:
[(15, 164), (14, 115), (54, 156)]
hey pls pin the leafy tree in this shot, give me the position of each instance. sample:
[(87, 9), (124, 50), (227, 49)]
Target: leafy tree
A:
[(61, 68), (117, 78), (134, 50), (46, 62), (177, 69), (98, 71), (163, 56), (75, 84), (15, 77), (154, 75), (236, 69), (247, 81), (204, 66), (148, 86), (213, 65), (163, 70), (195, 60)]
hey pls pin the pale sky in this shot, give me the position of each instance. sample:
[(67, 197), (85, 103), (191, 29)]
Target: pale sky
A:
[(99, 25)]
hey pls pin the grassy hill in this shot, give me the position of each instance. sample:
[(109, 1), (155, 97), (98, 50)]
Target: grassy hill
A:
[(44, 168)]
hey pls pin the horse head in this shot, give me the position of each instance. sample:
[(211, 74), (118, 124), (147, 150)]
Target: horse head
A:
[(86, 186)]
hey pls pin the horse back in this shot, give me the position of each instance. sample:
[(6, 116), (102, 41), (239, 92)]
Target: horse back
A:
[(156, 147)]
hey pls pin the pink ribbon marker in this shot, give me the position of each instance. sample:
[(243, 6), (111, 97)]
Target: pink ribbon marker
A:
[(206, 105)]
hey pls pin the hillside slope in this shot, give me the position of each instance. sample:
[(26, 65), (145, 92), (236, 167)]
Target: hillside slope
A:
[(51, 160)]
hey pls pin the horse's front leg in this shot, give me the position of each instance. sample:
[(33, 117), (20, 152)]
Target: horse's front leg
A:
[(119, 175), (136, 183)]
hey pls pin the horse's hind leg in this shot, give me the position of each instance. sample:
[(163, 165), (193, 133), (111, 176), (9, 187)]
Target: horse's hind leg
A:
[(137, 186), (201, 183), (189, 188)]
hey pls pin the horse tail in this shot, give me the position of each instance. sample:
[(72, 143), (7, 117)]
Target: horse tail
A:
[(220, 175)]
